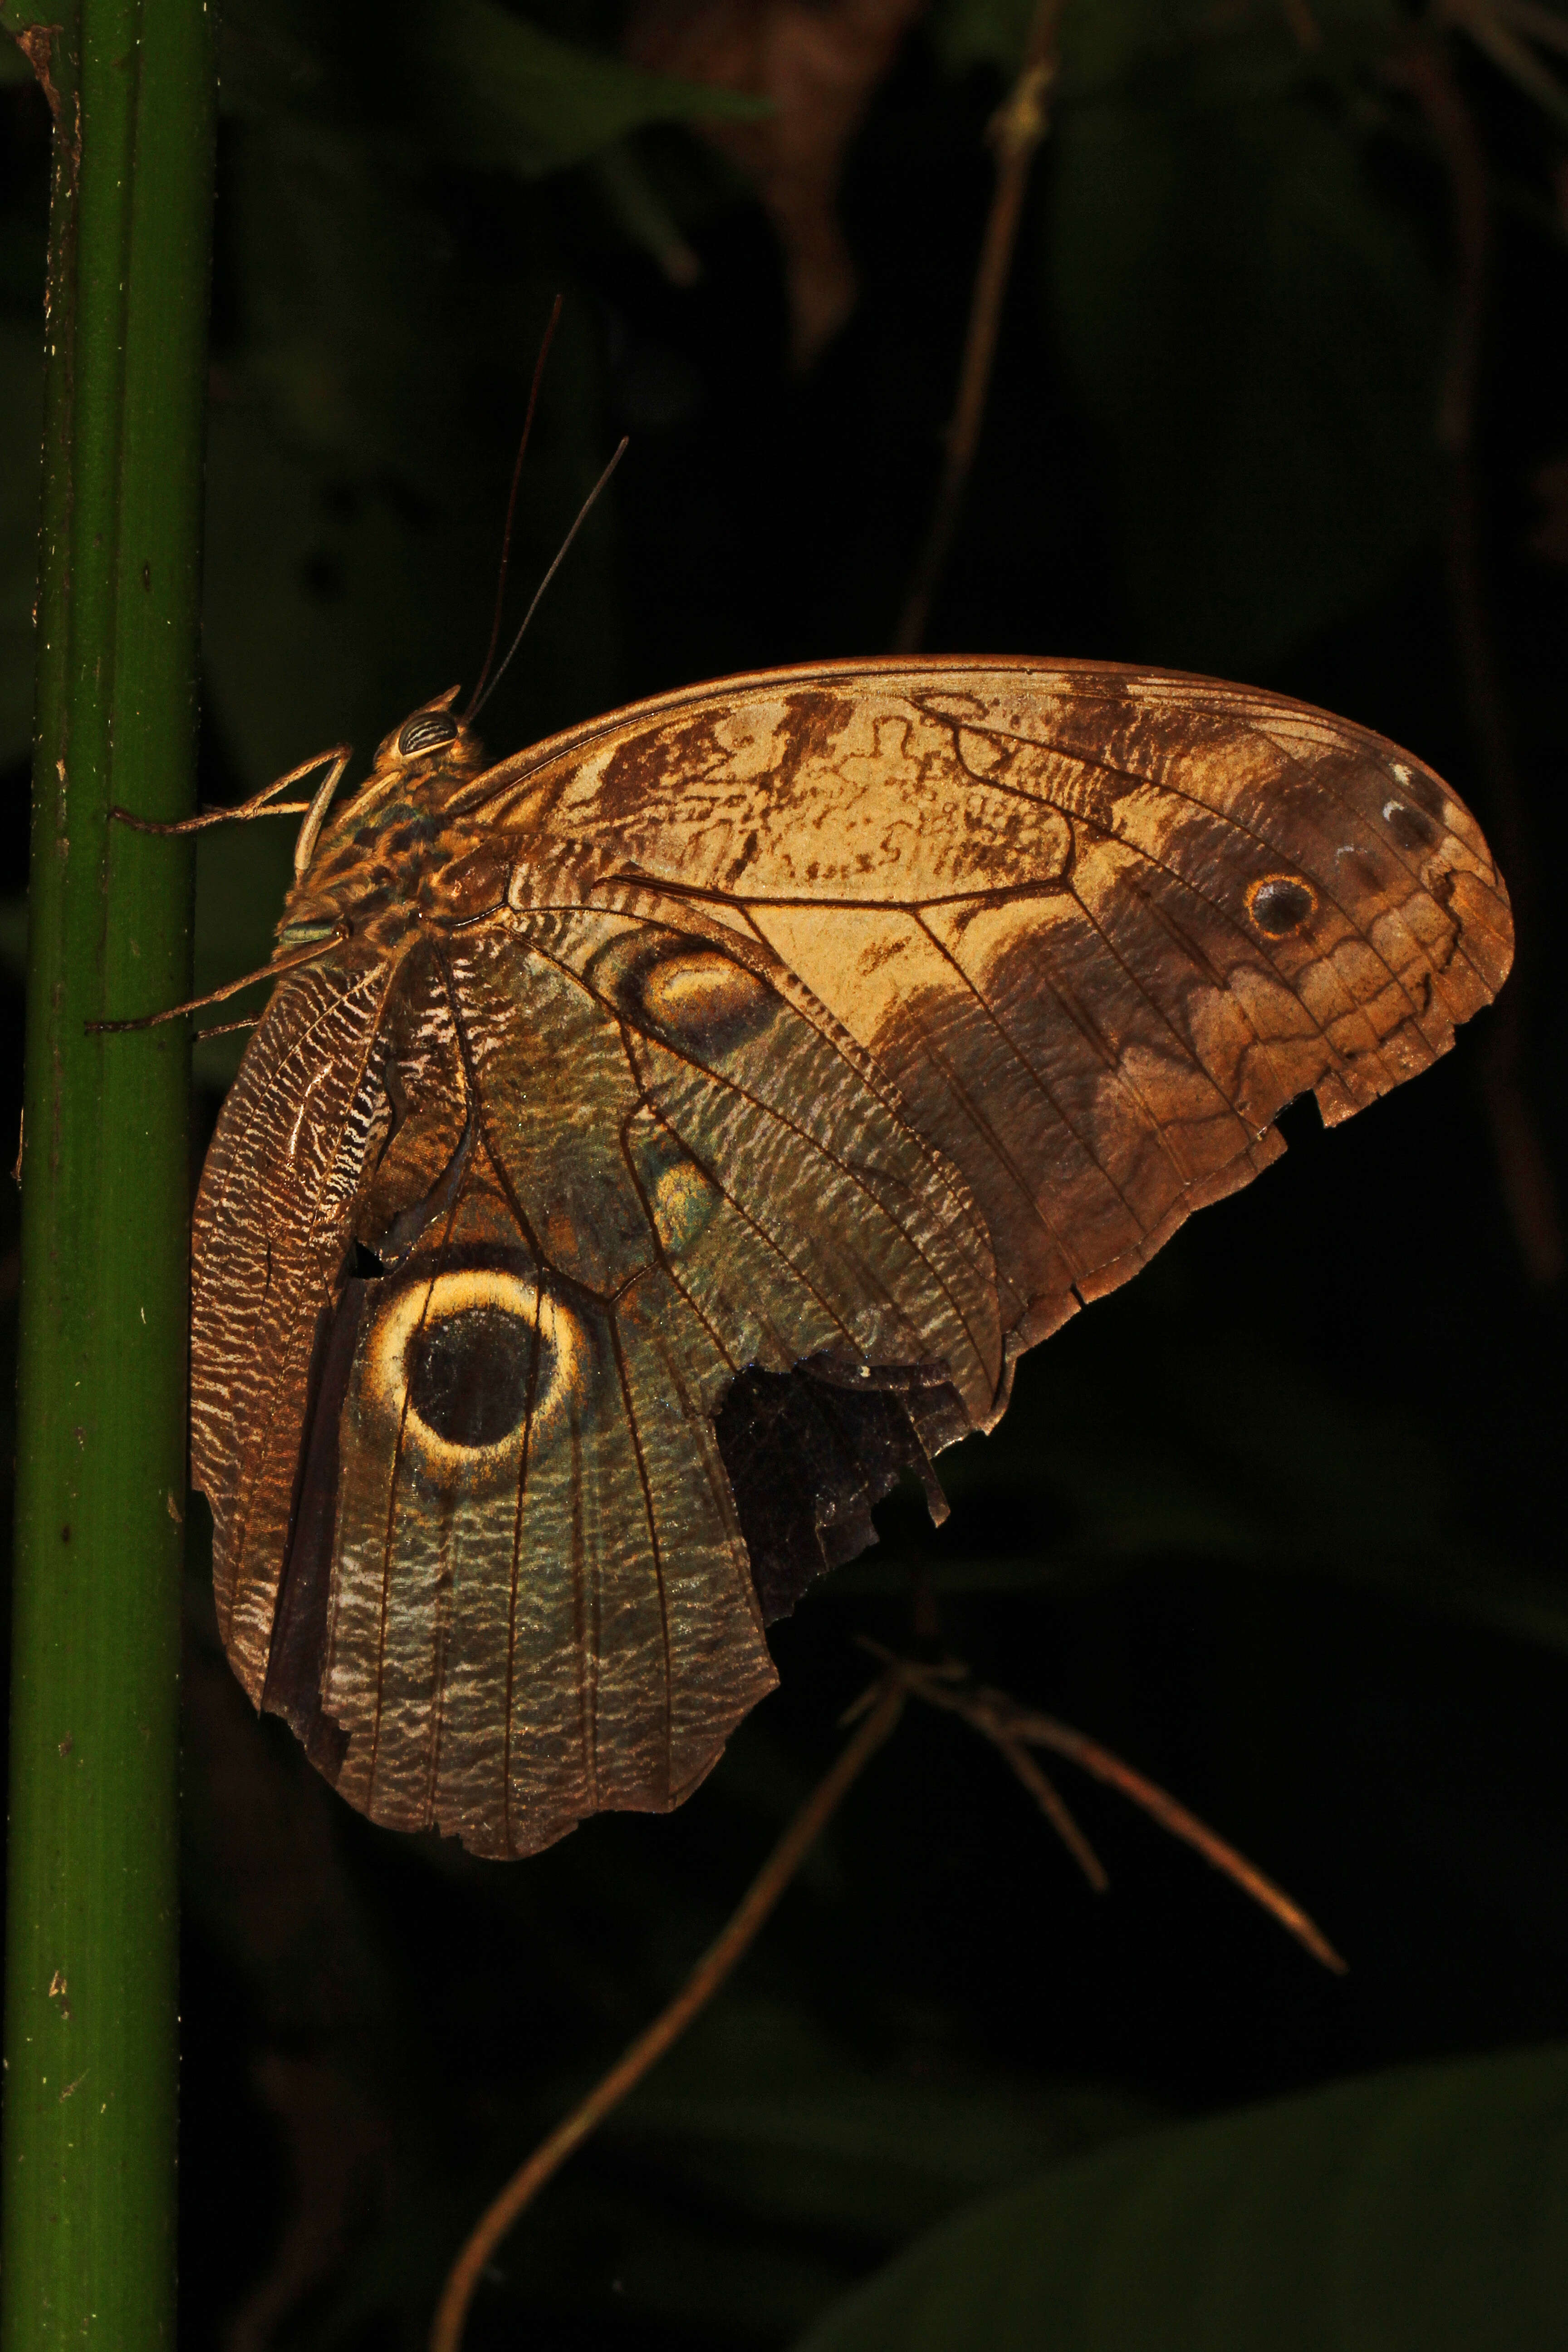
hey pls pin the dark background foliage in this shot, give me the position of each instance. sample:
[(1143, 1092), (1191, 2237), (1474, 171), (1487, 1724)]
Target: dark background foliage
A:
[(1281, 1521)]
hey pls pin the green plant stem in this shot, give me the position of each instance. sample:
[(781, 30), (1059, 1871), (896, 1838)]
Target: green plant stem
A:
[(90, 1991)]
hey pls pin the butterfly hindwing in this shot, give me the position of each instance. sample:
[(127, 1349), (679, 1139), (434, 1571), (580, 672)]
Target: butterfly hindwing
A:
[(616, 1169)]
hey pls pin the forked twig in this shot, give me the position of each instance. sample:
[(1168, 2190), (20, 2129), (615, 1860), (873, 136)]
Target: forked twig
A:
[(1012, 1728), (1017, 130), (886, 1703), (1049, 1799)]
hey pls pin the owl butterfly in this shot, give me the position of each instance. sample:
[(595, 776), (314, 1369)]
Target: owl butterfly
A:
[(668, 1136)]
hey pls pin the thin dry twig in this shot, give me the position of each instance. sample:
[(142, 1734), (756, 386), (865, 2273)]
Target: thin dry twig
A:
[(1013, 1730), (1009, 1725), (1017, 130), (881, 1718), (1048, 1798)]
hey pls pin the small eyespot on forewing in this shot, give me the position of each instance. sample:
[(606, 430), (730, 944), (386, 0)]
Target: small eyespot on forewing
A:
[(1280, 904)]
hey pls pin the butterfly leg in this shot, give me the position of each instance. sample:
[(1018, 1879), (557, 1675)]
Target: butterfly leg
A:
[(262, 803), (290, 962)]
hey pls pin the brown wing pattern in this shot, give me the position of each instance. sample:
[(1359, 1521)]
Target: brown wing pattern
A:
[(1098, 926), (571, 1279)]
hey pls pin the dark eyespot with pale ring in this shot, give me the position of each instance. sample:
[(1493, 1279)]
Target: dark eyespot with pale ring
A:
[(685, 990), (425, 732), (1410, 829), (1422, 788), (1280, 904)]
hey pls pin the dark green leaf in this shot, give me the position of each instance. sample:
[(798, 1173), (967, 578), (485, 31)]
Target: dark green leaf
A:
[(762, 2109), (1411, 2213), (1105, 42), (966, 33), (18, 16)]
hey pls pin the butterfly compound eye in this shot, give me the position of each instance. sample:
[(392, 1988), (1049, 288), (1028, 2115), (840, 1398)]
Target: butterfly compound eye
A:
[(425, 732)]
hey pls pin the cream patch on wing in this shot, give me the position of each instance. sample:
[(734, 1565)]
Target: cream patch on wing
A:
[(700, 990), (878, 799), (681, 1200), (864, 967)]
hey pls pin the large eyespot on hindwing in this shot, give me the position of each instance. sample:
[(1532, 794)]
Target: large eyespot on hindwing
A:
[(684, 989), (462, 1361)]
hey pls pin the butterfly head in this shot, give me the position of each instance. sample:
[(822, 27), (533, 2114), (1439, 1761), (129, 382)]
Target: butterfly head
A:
[(373, 866), (417, 768)]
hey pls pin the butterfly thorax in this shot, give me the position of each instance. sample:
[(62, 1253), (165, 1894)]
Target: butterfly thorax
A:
[(402, 854)]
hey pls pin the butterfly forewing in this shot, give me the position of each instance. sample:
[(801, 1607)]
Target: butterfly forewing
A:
[(692, 1130), (1099, 926)]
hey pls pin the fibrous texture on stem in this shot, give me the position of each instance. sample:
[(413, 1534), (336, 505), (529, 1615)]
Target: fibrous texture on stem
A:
[(90, 1979)]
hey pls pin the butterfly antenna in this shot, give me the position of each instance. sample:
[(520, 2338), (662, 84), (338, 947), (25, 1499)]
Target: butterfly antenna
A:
[(583, 511), (512, 506)]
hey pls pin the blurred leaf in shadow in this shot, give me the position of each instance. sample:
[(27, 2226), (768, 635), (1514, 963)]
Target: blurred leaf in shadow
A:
[(1248, 47), (1180, 48), (970, 33), (762, 2170), (474, 76), (1254, 331), (505, 93), (379, 310), (1419, 2210), (1252, 322), (814, 69), (763, 2110), (1235, 1453)]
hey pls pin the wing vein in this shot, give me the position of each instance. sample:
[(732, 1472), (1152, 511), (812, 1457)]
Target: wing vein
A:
[(1195, 800), (531, 1398), (1108, 1061), (618, 1347)]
